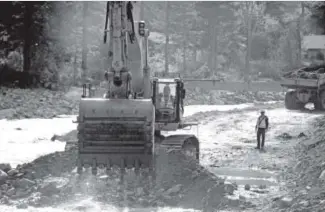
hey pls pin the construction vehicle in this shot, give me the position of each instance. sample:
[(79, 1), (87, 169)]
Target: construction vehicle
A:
[(310, 90), (120, 129)]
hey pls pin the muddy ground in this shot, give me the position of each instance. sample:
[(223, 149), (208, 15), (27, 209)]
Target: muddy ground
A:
[(232, 176), (241, 177)]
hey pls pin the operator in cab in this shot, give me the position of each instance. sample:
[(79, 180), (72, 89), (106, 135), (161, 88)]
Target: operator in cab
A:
[(166, 94), (262, 125)]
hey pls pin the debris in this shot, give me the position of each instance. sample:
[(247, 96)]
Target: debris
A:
[(306, 72)]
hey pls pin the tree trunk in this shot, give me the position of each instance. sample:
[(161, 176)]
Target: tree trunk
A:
[(75, 68), (211, 48), (195, 44), (289, 52), (195, 50), (215, 48), (299, 33), (184, 54), (27, 36), (248, 42), (84, 43), (167, 37)]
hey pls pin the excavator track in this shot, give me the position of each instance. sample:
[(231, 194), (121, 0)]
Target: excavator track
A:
[(185, 143)]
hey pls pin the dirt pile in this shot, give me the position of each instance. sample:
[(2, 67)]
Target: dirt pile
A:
[(51, 180), (34, 103), (200, 96), (306, 72), (306, 178)]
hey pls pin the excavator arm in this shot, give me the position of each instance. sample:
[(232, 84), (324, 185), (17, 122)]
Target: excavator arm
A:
[(118, 130)]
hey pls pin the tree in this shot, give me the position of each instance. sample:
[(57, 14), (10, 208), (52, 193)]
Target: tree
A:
[(167, 36), (84, 42)]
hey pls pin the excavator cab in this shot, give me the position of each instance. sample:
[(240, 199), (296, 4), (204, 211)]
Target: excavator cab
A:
[(168, 96)]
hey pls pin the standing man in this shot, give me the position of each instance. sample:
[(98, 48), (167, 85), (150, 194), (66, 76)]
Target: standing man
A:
[(261, 127)]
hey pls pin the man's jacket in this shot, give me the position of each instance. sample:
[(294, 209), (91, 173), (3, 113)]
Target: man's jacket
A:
[(262, 122)]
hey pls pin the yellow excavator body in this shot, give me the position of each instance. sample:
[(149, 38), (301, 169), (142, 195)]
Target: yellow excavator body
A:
[(120, 129)]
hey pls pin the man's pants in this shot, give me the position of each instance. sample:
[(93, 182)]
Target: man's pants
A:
[(260, 132)]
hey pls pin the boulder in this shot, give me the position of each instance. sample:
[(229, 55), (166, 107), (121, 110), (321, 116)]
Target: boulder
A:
[(230, 188), (24, 183), (11, 192), (3, 177), (285, 202), (5, 167), (247, 187), (13, 172)]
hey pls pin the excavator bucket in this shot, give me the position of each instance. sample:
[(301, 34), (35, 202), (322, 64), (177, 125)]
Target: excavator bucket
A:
[(115, 133)]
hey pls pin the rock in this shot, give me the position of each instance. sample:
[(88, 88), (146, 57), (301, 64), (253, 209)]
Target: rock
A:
[(3, 177), (53, 137), (242, 198), (229, 188), (322, 175), (20, 193), (173, 190), (4, 187), (11, 192), (285, 202), (5, 200), (247, 187), (262, 187), (22, 205), (44, 200), (285, 136), (5, 167), (49, 189), (13, 172), (304, 203), (140, 191), (236, 147), (24, 183), (301, 135)]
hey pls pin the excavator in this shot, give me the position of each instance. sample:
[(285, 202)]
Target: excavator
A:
[(122, 128)]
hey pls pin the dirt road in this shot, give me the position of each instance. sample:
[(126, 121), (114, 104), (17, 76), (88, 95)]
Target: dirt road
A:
[(227, 150)]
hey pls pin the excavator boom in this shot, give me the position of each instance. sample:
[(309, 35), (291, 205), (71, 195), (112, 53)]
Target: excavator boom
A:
[(118, 130)]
